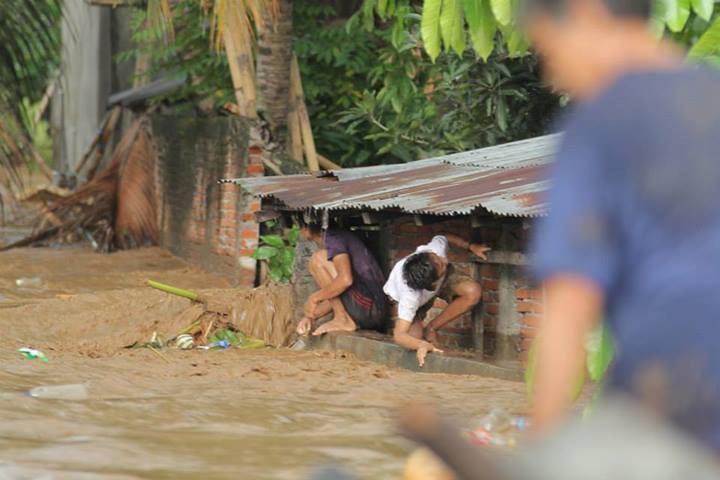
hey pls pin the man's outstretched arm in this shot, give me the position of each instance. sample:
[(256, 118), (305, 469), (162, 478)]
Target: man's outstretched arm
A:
[(402, 336), (478, 249)]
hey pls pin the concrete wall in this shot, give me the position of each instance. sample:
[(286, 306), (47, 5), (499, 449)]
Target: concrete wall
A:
[(92, 36), (211, 225)]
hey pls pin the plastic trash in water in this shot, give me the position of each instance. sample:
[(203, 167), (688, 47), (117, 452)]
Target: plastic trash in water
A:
[(29, 282), (498, 428), (32, 354), (220, 344), (299, 345), (60, 392)]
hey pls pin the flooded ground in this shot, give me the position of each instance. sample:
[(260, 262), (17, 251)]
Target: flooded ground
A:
[(259, 414)]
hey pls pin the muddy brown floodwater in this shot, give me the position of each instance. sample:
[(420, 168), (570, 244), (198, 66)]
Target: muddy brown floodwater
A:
[(250, 414)]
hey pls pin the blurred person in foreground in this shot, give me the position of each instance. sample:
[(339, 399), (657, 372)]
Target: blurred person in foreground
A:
[(633, 233)]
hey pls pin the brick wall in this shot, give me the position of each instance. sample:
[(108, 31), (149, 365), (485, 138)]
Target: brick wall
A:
[(209, 224)]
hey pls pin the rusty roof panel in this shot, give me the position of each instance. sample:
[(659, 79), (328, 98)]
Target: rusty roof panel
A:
[(452, 185), (524, 153)]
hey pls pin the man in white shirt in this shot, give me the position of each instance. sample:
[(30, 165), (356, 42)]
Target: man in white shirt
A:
[(415, 282)]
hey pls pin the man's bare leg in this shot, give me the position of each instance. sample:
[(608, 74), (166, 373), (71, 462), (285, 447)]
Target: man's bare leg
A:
[(469, 294), (323, 271)]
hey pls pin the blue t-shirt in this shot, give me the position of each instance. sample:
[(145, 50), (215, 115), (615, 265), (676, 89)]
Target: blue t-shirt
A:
[(635, 207)]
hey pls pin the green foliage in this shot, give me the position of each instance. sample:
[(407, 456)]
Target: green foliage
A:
[(600, 352), (708, 45), (278, 252), (188, 55), (375, 97), (452, 25), (677, 13), (39, 132), (481, 25), (29, 53), (235, 338), (482, 18)]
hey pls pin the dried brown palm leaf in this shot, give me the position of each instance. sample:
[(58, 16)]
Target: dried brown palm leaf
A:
[(119, 199), (246, 16), (135, 219)]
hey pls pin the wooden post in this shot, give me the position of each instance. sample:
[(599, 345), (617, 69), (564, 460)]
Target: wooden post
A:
[(294, 131), (306, 130), (242, 70)]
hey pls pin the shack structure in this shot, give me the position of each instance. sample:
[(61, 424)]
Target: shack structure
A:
[(490, 195)]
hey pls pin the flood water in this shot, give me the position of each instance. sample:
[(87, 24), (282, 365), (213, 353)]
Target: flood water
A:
[(261, 414)]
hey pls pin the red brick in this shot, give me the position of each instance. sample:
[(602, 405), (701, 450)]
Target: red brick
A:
[(253, 206), (491, 296), (246, 252), (459, 256), (526, 343), (406, 228), (489, 284), (247, 217), (528, 332), (456, 330), (523, 357), (249, 234), (488, 270), (492, 308), (255, 150), (527, 293), (531, 320), (255, 169), (528, 307)]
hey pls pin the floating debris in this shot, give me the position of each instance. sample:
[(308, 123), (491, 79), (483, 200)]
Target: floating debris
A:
[(32, 354)]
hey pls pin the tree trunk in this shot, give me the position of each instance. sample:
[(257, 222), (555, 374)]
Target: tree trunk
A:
[(274, 54)]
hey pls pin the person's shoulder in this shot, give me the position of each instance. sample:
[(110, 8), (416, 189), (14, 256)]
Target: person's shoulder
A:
[(642, 95)]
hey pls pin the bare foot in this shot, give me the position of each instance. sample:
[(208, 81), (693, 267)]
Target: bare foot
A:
[(304, 326), (336, 325)]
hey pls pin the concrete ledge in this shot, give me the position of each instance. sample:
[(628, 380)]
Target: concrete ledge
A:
[(381, 351)]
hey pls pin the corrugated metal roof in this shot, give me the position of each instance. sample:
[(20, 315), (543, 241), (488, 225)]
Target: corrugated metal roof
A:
[(506, 180)]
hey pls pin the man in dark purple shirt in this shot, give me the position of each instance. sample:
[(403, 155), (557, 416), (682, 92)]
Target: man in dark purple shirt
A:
[(350, 281)]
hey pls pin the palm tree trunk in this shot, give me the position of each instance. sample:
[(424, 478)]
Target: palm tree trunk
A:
[(274, 54)]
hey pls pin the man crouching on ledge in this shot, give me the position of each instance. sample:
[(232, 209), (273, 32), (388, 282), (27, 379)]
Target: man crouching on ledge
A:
[(350, 281), (417, 280)]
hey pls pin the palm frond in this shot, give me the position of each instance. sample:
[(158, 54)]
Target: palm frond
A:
[(29, 52)]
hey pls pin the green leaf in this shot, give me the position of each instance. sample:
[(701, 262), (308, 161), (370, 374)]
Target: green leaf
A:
[(368, 17), (600, 352), (288, 257), (709, 43), (676, 14), (503, 11), (382, 8), (265, 252), (430, 27), (704, 8), (517, 45), (293, 235), (452, 26), (482, 26), (273, 240)]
